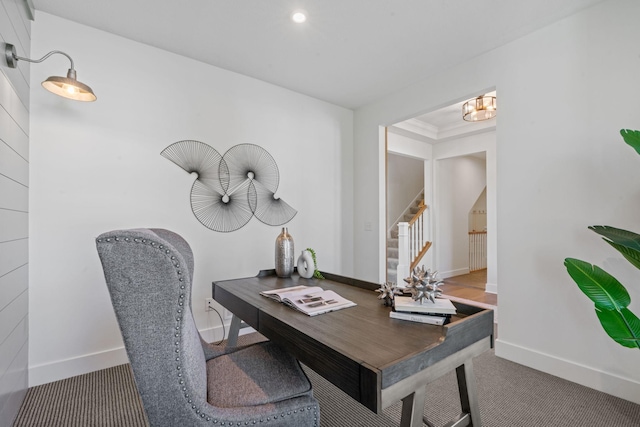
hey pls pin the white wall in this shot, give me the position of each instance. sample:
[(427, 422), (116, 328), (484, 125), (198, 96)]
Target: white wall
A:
[(565, 91), (15, 28), (405, 179), (460, 180), (482, 142), (478, 214), (97, 167)]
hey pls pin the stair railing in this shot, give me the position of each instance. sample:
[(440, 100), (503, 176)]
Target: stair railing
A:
[(477, 250), (413, 242)]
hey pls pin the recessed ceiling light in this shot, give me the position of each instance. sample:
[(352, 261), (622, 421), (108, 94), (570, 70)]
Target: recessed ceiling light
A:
[(299, 16)]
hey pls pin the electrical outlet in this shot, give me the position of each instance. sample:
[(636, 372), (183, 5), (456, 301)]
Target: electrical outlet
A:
[(208, 304)]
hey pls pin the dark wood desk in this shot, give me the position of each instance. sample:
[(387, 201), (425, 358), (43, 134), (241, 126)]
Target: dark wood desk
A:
[(374, 359)]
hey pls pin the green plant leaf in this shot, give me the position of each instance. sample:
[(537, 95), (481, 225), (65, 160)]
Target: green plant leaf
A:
[(631, 137), (632, 255), (598, 285), (625, 242), (622, 326), (618, 236), (316, 272)]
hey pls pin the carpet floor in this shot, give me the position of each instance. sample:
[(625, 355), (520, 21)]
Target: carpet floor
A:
[(510, 395)]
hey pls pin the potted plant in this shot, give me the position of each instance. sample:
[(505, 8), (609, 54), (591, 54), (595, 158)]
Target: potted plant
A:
[(610, 297)]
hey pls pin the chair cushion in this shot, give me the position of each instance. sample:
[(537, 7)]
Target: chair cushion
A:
[(256, 375)]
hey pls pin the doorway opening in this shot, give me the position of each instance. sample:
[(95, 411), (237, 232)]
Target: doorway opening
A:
[(458, 161)]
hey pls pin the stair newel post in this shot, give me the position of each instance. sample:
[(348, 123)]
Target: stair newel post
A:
[(404, 261)]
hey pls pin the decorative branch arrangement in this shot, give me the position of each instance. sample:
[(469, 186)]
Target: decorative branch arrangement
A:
[(610, 297), (232, 188)]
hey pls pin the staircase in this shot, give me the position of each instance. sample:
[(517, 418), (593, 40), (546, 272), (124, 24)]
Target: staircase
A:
[(392, 238)]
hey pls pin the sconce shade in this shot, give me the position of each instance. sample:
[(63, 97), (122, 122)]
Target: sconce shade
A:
[(69, 87), (480, 108)]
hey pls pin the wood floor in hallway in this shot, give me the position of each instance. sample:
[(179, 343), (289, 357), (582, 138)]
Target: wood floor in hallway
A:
[(469, 286)]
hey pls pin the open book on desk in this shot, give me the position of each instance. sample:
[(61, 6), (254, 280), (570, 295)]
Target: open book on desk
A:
[(311, 300)]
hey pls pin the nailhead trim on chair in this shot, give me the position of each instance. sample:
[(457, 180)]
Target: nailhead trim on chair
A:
[(177, 343)]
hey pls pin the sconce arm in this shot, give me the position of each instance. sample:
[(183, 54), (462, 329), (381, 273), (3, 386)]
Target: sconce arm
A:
[(12, 57)]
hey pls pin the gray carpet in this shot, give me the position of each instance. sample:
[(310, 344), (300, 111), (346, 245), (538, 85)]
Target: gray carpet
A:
[(510, 395)]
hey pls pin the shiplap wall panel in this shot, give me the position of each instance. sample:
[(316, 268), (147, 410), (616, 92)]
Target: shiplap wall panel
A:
[(12, 134), (13, 196), (15, 339), (19, 77), (12, 104), (14, 225), (15, 28), (13, 166), (12, 315), (24, 14), (12, 387), (21, 26), (13, 254), (13, 284), (23, 41)]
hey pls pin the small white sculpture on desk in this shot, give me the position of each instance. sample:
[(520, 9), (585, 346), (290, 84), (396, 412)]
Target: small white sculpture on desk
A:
[(423, 284), (388, 291), (308, 265)]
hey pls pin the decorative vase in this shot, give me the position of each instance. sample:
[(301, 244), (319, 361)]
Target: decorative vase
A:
[(306, 266), (284, 254)]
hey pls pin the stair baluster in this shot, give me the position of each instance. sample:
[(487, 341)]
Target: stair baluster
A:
[(413, 242)]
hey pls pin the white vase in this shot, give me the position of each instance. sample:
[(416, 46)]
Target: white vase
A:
[(306, 266)]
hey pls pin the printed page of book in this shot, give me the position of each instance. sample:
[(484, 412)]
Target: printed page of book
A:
[(318, 303), (293, 292)]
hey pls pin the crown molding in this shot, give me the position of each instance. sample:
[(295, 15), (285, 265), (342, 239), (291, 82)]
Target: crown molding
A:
[(419, 127), (409, 134), (466, 129)]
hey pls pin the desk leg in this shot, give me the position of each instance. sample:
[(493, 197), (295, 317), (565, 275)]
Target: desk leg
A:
[(234, 331), (468, 392), (413, 408)]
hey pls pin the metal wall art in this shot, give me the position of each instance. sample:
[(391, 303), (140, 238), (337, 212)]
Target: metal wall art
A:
[(232, 188)]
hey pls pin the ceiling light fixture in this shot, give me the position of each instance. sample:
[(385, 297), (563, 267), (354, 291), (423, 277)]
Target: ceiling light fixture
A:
[(480, 108), (67, 87), (299, 16)]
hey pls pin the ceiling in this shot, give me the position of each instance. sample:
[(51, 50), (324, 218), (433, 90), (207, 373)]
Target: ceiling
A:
[(348, 53), (444, 124)]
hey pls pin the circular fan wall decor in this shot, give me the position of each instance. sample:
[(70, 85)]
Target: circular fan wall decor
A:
[(232, 188)]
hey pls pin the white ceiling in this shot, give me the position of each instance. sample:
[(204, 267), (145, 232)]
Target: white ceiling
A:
[(349, 52), (445, 124)]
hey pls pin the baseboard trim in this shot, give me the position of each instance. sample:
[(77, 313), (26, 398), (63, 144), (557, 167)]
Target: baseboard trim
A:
[(571, 371), (491, 288), (452, 273), (67, 368)]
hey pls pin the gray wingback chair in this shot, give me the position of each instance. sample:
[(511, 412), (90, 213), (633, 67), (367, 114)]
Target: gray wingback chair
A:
[(183, 381)]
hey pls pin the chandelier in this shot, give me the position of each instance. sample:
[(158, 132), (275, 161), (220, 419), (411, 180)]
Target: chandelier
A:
[(480, 108)]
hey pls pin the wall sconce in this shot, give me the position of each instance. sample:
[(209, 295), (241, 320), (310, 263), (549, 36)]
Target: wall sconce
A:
[(67, 87)]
